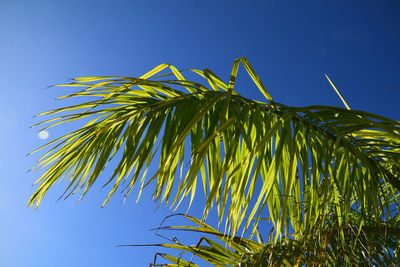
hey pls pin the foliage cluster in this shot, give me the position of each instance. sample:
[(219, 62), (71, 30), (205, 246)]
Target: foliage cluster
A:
[(327, 179)]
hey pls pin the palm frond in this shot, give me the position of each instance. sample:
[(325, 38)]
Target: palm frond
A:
[(294, 165), (363, 245)]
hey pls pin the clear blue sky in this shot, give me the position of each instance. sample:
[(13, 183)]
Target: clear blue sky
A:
[(291, 44)]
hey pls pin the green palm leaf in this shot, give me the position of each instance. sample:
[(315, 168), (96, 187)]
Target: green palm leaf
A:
[(363, 246), (294, 166)]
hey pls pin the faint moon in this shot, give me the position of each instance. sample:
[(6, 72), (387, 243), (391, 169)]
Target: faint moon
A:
[(43, 134)]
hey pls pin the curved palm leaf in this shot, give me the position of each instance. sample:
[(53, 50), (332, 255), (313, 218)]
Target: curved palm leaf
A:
[(363, 246), (295, 165)]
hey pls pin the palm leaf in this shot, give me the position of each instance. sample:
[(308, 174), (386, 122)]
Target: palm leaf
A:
[(293, 165), (363, 246)]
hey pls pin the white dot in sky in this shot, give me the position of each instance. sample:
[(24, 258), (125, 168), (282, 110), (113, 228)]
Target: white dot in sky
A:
[(43, 134)]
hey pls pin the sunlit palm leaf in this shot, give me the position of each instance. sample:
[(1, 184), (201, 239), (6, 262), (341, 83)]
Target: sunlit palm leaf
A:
[(294, 165)]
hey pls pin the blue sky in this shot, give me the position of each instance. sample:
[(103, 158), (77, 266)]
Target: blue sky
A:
[(290, 44)]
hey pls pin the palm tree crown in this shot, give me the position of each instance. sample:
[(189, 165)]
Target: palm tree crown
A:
[(318, 174)]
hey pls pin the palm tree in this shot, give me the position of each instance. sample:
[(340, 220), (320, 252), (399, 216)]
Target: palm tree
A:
[(326, 179)]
